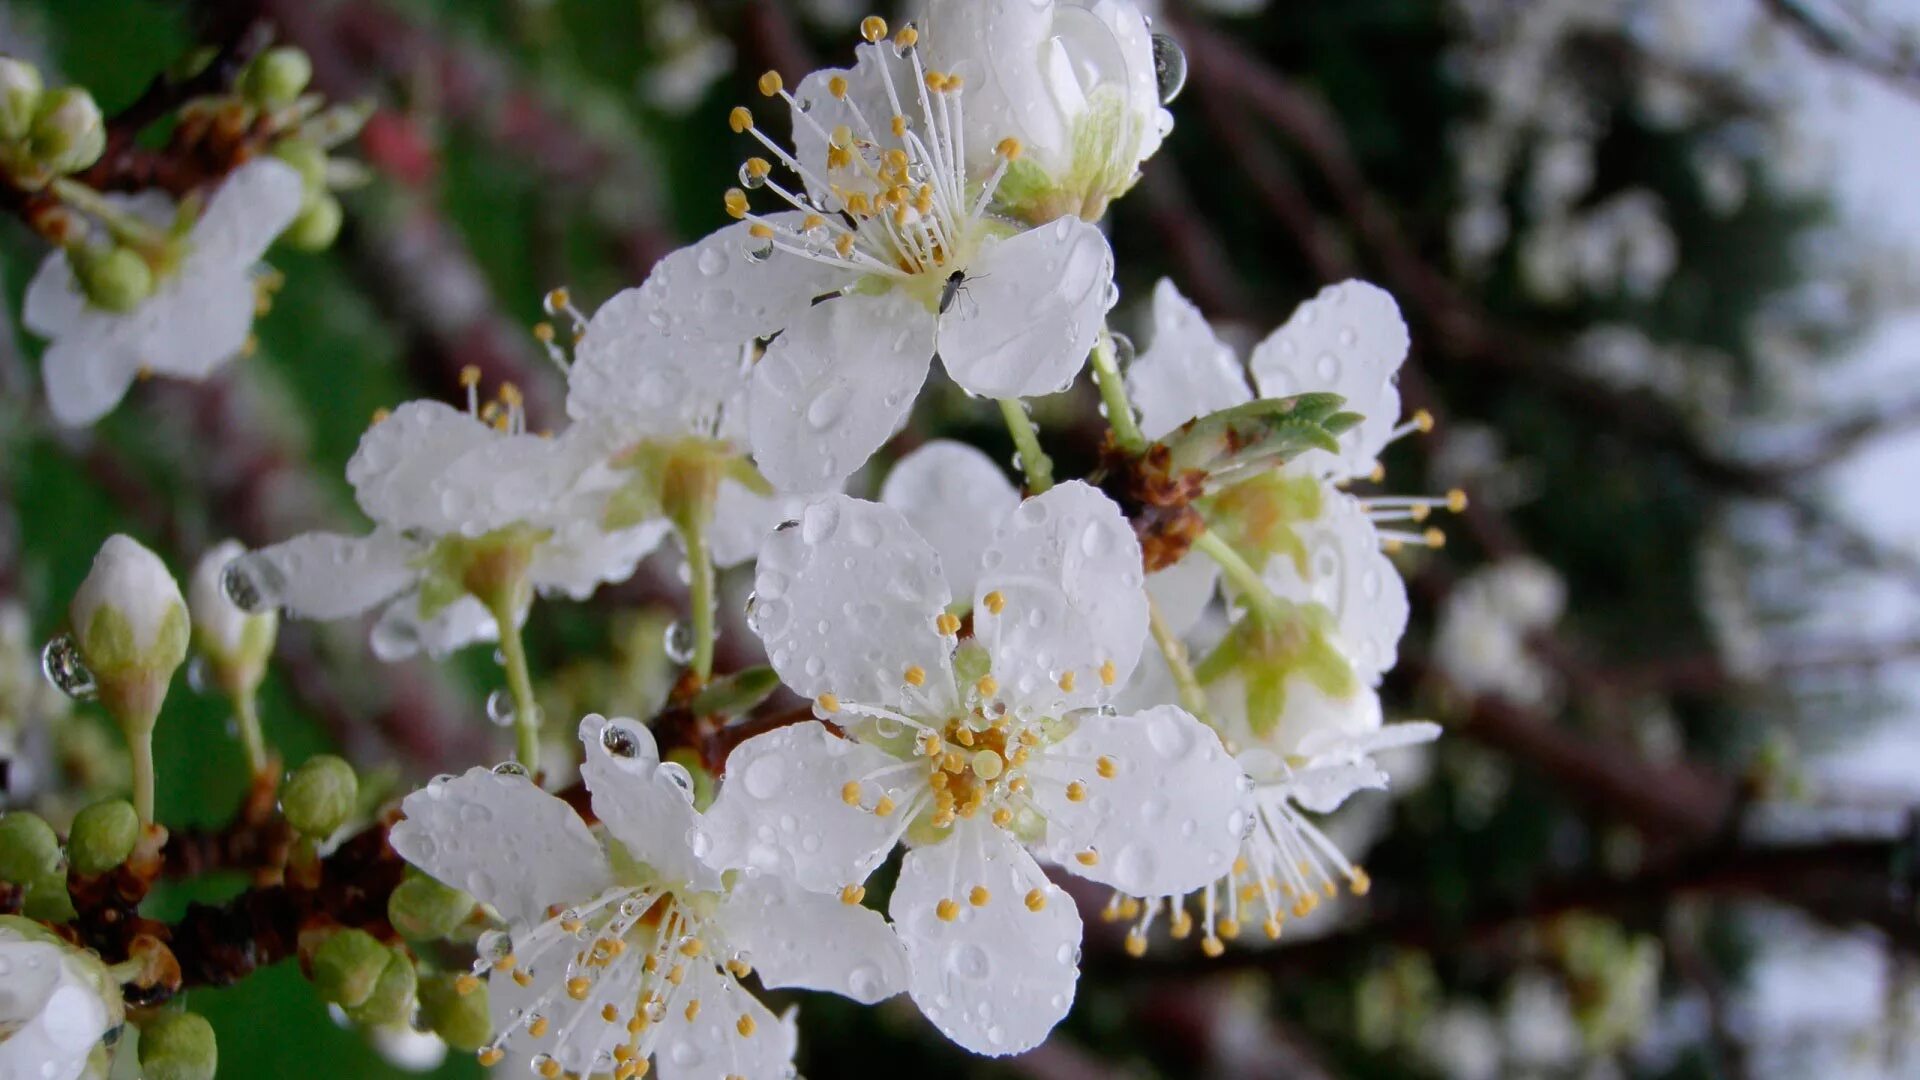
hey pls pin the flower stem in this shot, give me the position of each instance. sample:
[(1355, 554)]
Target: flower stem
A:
[(1192, 698), (246, 713), (1113, 391), (1238, 571), (140, 747), (125, 227), (1033, 460), (526, 711), (693, 537)]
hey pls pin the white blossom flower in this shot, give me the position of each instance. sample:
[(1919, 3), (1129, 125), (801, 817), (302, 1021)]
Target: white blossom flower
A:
[(889, 256), (198, 316), (1481, 639), (130, 583), (974, 755), (56, 1004), (622, 944), (1074, 80), (446, 490)]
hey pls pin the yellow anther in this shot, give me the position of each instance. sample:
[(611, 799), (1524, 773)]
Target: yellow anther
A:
[(1391, 547), (884, 807), (1378, 474), (839, 157), (897, 160), (740, 968), (828, 703), (844, 244), (987, 765), (853, 894), (505, 963), (745, 1026), (1009, 148), (955, 83), (578, 987), (736, 203), (995, 601), (1088, 858), (1108, 673), (1136, 944), (1105, 767), (760, 230), (609, 1013), (812, 222), (543, 333), (963, 736), (1212, 947), (1456, 500), (1229, 928), (1003, 817), (978, 896), (1076, 792), (1019, 755), (1130, 908), (954, 763), (549, 1068), (1358, 880), (1240, 864), (948, 624), (837, 86), (1423, 421), (936, 82), (1419, 513), (916, 676), (907, 38), (693, 1009), (1036, 900), (740, 120), (1434, 538), (1180, 925), (677, 974), (466, 984), (986, 686), (1272, 927), (381, 414), (522, 979), (873, 28), (759, 167), (470, 375), (693, 946), (947, 910), (850, 793), (489, 1056), (559, 299), (771, 83), (510, 395), (899, 126), (1066, 682)]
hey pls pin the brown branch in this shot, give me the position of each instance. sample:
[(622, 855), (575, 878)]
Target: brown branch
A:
[(1900, 70)]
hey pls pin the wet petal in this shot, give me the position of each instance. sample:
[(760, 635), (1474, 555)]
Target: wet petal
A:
[(86, 377), (1348, 573), (252, 207), (397, 471), (1030, 308), (813, 941), (731, 1034), (1348, 340), (328, 576), (1186, 371), (955, 497), (647, 806)]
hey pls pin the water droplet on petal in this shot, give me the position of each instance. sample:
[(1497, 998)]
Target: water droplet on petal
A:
[(509, 768), (252, 583), (618, 741), (1169, 67), (61, 663)]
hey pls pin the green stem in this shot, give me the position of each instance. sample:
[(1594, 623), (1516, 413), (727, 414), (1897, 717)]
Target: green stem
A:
[(1033, 460), (1192, 698), (140, 744), (526, 711), (1238, 571), (247, 712), (1113, 391), (125, 227), (693, 536)]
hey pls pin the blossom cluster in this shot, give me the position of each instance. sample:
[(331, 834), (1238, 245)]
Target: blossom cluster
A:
[(1153, 679)]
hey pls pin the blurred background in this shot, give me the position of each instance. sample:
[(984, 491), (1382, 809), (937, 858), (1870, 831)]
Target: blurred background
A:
[(1658, 257)]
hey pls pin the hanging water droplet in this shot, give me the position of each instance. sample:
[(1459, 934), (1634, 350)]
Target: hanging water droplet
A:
[(61, 663), (251, 583), (198, 679), (494, 946), (677, 775), (1169, 67), (500, 708), (679, 641), (618, 741), (760, 253), (510, 768), (1123, 351), (750, 178)]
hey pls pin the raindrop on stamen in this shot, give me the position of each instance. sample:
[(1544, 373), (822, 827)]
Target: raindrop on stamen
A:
[(61, 663), (1169, 67)]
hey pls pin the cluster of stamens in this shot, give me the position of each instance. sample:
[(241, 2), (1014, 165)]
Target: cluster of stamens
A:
[(1396, 514), (559, 305)]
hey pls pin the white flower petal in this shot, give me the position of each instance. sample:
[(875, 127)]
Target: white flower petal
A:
[(397, 471), (503, 840), (1348, 573), (1170, 819), (580, 556), (780, 810), (955, 497), (837, 384), (998, 977), (1030, 308), (506, 480), (813, 941), (866, 96), (1308, 710), (1187, 371), (51, 1009), (712, 1044), (194, 323), (329, 576), (581, 1033), (403, 630), (1340, 764), (648, 807), (1322, 788), (1067, 569), (86, 377), (253, 206), (845, 602), (1348, 340), (1183, 591), (54, 301), (742, 521)]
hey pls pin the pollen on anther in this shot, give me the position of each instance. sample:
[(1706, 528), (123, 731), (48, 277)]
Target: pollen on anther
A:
[(1076, 792), (736, 203), (489, 1056), (986, 685), (1066, 682), (381, 414), (947, 910), (740, 120), (537, 1027), (850, 793), (1212, 946), (995, 601), (1009, 148), (907, 38), (947, 623), (771, 83), (884, 807), (693, 1010), (1088, 858), (470, 375), (873, 28), (979, 896), (1036, 900), (1136, 944), (760, 231), (1423, 421), (1106, 768), (745, 1026), (1456, 500), (466, 984), (610, 1013), (916, 675), (828, 703), (578, 987), (1434, 538), (899, 126), (837, 86), (853, 894)]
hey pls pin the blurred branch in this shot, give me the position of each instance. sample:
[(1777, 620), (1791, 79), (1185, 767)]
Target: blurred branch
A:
[(1896, 65)]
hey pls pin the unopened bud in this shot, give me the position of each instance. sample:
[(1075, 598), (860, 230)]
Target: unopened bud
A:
[(460, 1019), (131, 624), (115, 279), (278, 77), (347, 967), (307, 159), (423, 909), (237, 643), (29, 850), (317, 226), (68, 133), (178, 1046), (391, 1001), (319, 796), (103, 835), (20, 89)]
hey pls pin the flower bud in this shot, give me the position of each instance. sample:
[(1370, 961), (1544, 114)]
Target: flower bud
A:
[(20, 90), (29, 850), (103, 835), (391, 1001), (68, 132), (237, 643), (131, 625), (115, 279), (319, 796), (461, 1019), (278, 77), (347, 967), (423, 909), (178, 1046), (317, 226), (307, 159)]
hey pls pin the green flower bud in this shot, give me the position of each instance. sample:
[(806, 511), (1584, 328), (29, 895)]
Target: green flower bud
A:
[(278, 77), (103, 836), (307, 159), (423, 909), (347, 967), (391, 1001), (68, 132), (29, 850), (20, 90), (460, 1019), (320, 795), (317, 226), (178, 1046), (131, 625), (115, 279)]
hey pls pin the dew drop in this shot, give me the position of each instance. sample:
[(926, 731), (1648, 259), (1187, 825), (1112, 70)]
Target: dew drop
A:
[(61, 663), (618, 741), (500, 708), (1169, 67), (712, 260), (676, 774), (510, 768), (864, 982), (1123, 351), (678, 641), (828, 407), (251, 583)]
